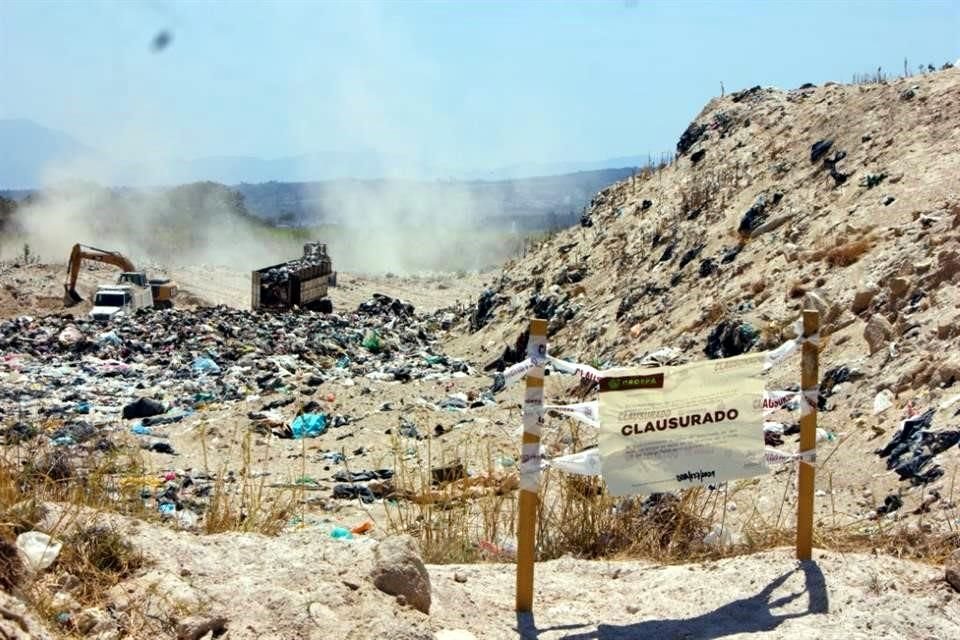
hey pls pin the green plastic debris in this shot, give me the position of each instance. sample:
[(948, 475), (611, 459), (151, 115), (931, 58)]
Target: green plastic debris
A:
[(372, 341)]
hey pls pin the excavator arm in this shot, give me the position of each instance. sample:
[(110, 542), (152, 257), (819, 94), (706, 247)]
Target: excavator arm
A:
[(79, 254)]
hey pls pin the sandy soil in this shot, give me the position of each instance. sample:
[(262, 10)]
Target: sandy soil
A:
[(305, 585)]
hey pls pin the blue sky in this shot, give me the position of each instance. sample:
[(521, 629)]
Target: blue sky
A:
[(462, 84)]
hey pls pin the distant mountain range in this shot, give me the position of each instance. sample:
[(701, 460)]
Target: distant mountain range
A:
[(29, 150), (35, 156), (550, 202)]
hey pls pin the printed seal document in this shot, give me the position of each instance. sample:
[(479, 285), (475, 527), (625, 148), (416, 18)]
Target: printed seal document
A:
[(676, 427)]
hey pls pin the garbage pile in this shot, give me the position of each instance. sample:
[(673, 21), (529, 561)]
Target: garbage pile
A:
[(155, 366), (314, 255), (914, 446)]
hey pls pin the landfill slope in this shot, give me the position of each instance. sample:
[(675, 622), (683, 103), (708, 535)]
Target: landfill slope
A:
[(841, 198)]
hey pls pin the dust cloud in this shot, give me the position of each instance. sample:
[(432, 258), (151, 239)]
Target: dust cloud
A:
[(200, 223), (396, 224), (371, 227)]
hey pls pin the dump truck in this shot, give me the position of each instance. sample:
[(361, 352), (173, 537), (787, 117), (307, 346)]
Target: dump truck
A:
[(300, 283), (133, 287)]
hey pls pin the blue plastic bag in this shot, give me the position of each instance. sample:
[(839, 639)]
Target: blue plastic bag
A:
[(309, 425), (202, 365), (341, 533)]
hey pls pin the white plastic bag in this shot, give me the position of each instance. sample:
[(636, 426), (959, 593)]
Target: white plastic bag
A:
[(39, 549), (722, 537), (882, 401)]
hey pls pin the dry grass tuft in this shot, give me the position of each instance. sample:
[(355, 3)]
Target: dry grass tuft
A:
[(245, 504), (577, 517), (845, 254), (12, 571), (99, 557)]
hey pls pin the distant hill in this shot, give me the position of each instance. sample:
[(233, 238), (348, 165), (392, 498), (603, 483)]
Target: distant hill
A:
[(529, 203), (29, 150), (40, 156)]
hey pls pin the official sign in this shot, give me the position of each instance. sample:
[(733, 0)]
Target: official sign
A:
[(677, 427)]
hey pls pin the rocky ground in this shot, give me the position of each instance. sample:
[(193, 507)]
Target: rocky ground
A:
[(840, 198)]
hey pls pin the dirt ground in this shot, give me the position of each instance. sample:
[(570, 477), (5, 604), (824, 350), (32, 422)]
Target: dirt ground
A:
[(301, 585)]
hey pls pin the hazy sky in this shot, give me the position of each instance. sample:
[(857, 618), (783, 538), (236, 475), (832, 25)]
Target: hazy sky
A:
[(466, 84)]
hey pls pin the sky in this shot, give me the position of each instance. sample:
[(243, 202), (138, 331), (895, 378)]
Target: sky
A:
[(470, 85)]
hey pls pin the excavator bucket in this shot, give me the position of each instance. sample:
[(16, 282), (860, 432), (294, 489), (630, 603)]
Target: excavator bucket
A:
[(70, 296)]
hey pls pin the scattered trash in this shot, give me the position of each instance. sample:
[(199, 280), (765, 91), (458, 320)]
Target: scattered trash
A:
[(109, 338), (890, 504), (70, 336), (730, 338), (39, 549), (162, 447), (179, 354), (309, 425), (722, 537), (362, 476), (333, 457), (143, 408), (362, 528), (820, 149), (882, 401), (203, 365), (341, 533), (372, 341), (914, 446), (353, 491)]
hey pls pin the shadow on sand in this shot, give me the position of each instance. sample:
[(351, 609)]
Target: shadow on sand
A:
[(747, 615)]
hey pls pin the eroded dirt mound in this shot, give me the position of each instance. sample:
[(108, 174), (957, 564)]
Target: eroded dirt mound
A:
[(839, 198)]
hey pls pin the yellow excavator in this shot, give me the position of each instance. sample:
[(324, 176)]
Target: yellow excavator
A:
[(161, 291)]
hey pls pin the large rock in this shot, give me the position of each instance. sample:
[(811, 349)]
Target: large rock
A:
[(952, 570), (949, 265), (399, 571), (899, 285), (877, 333), (863, 297), (949, 371), (947, 328)]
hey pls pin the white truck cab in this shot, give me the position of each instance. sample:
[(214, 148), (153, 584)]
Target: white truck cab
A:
[(119, 299)]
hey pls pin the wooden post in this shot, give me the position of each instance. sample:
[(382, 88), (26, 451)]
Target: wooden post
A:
[(530, 466), (809, 378)]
